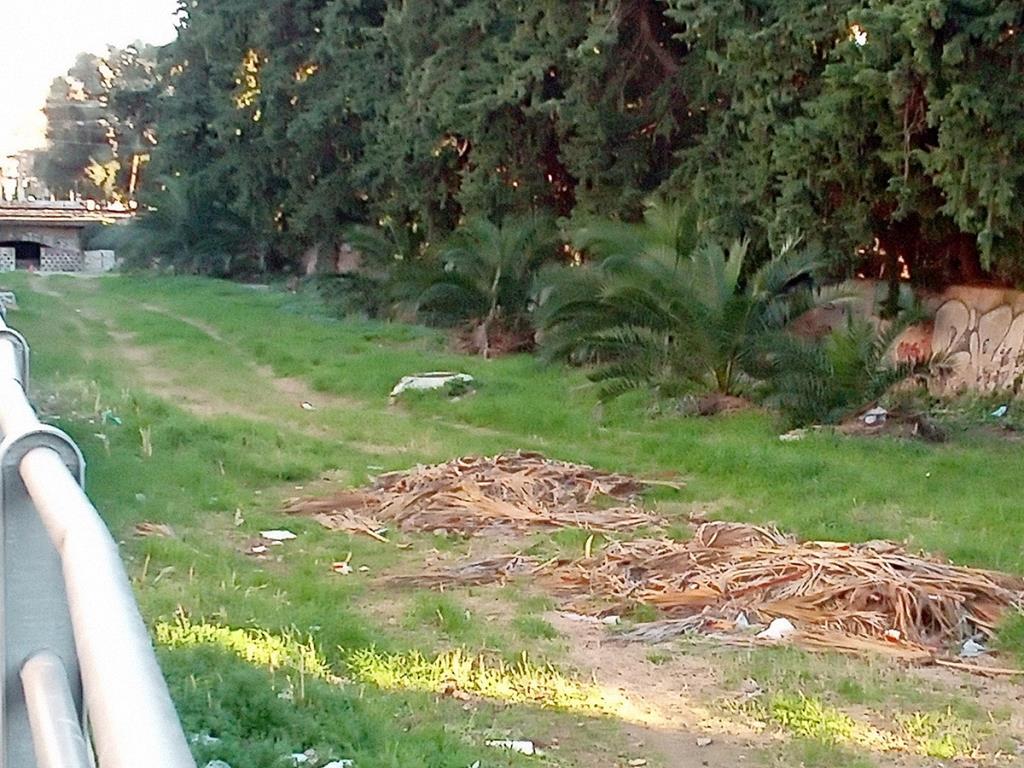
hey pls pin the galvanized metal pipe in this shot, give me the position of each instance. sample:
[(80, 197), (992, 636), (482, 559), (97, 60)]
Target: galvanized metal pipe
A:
[(16, 415), (56, 725), (133, 720), (8, 355)]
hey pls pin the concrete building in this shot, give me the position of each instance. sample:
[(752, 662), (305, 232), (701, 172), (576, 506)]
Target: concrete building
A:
[(47, 236)]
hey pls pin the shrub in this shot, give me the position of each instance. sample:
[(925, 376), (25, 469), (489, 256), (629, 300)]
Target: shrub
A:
[(662, 311), (486, 276), (823, 382)]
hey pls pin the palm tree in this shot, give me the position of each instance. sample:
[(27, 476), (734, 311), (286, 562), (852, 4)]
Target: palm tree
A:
[(387, 246), (824, 381), (186, 230), (486, 276), (660, 310)]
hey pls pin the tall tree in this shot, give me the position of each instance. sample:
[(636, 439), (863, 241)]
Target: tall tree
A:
[(885, 130), (888, 127), (100, 124)]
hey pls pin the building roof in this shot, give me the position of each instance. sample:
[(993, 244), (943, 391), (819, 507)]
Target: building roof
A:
[(61, 214)]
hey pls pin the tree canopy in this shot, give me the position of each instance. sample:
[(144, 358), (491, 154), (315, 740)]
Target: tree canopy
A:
[(888, 131), (100, 124)]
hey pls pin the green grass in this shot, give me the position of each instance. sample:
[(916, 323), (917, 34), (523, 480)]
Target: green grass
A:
[(534, 627), (825, 486), (247, 445), (522, 682), (811, 753), (254, 718), (443, 612), (840, 680), (255, 646), (940, 735)]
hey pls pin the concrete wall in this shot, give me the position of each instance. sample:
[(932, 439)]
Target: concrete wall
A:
[(978, 336), (975, 340), (60, 260), (99, 261), (63, 238), (7, 260), (62, 246)]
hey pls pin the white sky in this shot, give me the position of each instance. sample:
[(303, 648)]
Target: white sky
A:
[(39, 40)]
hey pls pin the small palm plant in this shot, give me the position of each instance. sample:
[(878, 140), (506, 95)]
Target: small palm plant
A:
[(825, 381), (662, 311), (487, 274), (388, 246)]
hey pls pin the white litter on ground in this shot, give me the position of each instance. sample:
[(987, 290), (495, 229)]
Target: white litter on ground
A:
[(424, 382), (779, 629), (278, 535)]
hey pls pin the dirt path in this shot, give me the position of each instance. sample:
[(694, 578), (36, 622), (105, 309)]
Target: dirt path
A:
[(272, 394), (293, 388), (672, 722), (204, 328), (162, 382)]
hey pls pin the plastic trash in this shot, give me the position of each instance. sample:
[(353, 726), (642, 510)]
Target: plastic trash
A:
[(425, 382), (278, 535), (346, 763), (582, 618), (875, 417), (704, 741), (1001, 411), (742, 622), (521, 746), (793, 435), (779, 629), (971, 649), (217, 764)]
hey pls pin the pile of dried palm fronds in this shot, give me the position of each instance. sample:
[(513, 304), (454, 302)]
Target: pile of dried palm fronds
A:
[(512, 490), (730, 579), (872, 596)]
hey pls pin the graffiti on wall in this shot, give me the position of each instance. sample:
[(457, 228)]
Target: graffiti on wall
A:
[(982, 351)]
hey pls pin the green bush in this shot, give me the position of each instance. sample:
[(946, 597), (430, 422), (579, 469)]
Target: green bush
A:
[(661, 310), (351, 294), (824, 381)]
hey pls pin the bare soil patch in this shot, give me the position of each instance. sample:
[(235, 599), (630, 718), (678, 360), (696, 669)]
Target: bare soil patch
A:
[(672, 718)]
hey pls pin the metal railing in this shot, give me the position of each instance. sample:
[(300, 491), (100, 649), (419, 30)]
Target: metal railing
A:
[(81, 685)]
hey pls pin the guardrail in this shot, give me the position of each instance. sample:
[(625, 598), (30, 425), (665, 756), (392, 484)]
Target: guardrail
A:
[(81, 685)]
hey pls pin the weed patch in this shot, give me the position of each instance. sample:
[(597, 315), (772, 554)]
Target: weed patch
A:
[(928, 734), (255, 646), (519, 683)]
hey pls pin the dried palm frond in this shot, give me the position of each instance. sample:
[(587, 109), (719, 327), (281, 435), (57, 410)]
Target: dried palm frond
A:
[(512, 490)]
